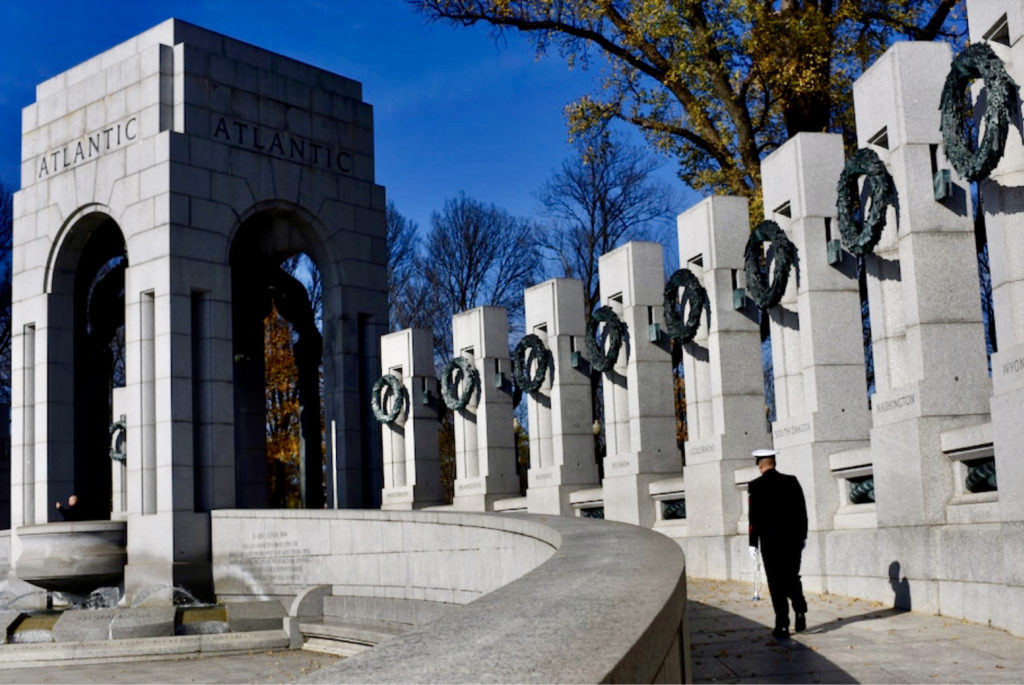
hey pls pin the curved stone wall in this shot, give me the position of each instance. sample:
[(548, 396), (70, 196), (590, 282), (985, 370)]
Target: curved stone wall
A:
[(543, 599)]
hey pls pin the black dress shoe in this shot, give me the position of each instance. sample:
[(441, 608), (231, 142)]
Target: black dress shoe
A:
[(780, 633), (801, 623)]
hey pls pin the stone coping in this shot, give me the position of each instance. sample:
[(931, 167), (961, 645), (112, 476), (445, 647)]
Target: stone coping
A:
[(849, 459), (608, 606), (967, 437), (667, 487), (138, 649), (587, 496), (70, 527)]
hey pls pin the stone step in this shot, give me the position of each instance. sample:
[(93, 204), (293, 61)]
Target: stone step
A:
[(348, 639), (356, 633), (333, 647)]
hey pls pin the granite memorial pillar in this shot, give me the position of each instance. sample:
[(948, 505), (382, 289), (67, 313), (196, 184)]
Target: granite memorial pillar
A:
[(485, 468), (640, 434), (561, 432)]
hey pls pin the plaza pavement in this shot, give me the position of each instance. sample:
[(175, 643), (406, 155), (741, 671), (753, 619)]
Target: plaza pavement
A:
[(846, 641), (269, 666)]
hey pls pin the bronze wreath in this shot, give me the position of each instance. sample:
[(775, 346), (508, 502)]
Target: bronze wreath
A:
[(521, 365), (398, 399), (694, 295), (767, 294), (977, 61), (470, 383), (860, 239), (615, 331)]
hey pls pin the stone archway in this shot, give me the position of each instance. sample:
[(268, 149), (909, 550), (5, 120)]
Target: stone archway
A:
[(262, 288), (260, 168), (87, 316)]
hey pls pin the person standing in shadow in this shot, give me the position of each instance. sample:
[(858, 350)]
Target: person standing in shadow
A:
[(71, 511), (900, 586), (778, 521)]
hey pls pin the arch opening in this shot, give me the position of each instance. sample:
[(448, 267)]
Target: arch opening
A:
[(278, 348), (88, 315)]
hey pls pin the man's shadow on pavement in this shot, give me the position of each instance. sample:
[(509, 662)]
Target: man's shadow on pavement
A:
[(840, 622), (900, 604), (727, 647)]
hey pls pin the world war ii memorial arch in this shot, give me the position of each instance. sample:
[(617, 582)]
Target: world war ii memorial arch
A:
[(163, 182)]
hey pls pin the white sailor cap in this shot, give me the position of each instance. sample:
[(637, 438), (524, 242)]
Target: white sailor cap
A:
[(763, 454)]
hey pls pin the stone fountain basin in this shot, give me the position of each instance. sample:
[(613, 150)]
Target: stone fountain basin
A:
[(74, 557)]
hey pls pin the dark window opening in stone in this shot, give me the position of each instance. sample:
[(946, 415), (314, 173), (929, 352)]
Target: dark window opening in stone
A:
[(99, 364), (861, 489), (673, 509), (999, 33), (981, 475)]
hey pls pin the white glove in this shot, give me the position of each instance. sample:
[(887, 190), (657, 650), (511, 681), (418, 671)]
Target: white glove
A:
[(753, 553)]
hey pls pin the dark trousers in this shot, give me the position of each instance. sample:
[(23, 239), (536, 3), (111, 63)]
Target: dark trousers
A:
[(782, 566)]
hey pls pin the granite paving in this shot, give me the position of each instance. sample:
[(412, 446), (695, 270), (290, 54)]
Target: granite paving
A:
[(847, 640), (272, 666)]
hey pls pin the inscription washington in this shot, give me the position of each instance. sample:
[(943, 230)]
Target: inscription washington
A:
[(897, 403)]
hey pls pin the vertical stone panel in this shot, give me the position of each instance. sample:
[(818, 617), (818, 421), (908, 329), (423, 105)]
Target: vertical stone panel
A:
[(561, 433), (923, 287)]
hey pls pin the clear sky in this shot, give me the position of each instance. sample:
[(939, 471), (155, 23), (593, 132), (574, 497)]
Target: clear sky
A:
[(453, 110)]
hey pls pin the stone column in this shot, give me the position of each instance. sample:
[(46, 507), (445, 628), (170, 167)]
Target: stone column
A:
[(173, 410), (817, 348), (485, 468), (1002, 195), (928, 342), (118, 468), (412, 468), (561, 432), (638, 404), (724, 388)]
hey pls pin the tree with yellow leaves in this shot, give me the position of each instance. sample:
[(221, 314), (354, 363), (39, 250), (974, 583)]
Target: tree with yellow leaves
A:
[(715, 84), (284, 430)]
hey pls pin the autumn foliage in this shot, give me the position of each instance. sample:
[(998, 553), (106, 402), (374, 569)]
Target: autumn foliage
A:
[(283, 429), (714, 84)]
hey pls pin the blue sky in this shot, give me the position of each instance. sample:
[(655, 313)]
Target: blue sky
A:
[(453, 110)]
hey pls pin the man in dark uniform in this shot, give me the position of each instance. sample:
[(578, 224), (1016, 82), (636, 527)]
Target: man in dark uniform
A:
[(778, 520), (71, 511)]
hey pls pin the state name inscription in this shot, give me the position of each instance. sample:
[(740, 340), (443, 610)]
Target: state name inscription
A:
[(283, 145), (786, 431), (897, 403)]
